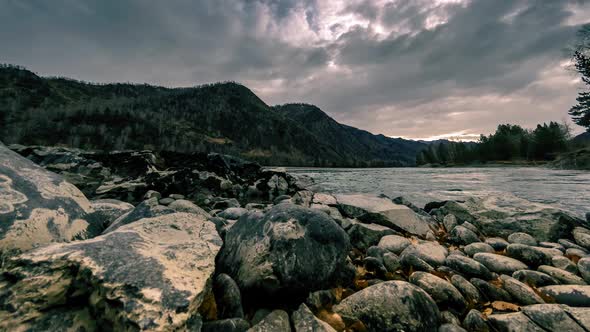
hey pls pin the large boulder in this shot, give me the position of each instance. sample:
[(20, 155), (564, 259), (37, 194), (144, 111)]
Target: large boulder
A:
[(384, 212), (38, 207), (391, 306), (153, 275), (285, 253), (502, 215)]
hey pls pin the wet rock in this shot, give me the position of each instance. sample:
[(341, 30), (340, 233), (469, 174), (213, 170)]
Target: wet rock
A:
[(227, 297), (562, 276), (490, 291), (468, 267), (132, 278), (532, 256), (462, 235), (38, 207), (305, 321), (469, 292), (551, 317), (226, 325), (107, 210), (450, 221), (278, 320), (451, 328), (442, 291), (383, 212), (431, 252), (476, 247), (414, 308), (497, 243), (513, 322), (285, 253), (475, 321), (573, 295), (584, 268), (394, 243), (233, 213), (391, 262), (534, 278), (522, 238), (582, 237), (499, 263), (362, 236), (564, 263), (520, 292), (502, 215)]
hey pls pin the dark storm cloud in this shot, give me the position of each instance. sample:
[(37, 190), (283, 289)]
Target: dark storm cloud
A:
[(405, 67)]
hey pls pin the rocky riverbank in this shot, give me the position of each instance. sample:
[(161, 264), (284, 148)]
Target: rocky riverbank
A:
[(133, 241)]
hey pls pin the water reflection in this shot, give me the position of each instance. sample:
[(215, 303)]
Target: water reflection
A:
[(569, 190)]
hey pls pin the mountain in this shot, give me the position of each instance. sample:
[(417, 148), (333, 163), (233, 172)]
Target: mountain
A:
[(222, 117)]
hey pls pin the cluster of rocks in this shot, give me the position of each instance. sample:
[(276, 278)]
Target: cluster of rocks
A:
[(295, 261)]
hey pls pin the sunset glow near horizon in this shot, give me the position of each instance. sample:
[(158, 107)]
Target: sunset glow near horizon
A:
[(403, 68)]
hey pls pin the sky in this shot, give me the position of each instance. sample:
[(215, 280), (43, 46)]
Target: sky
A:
[(402, 68)]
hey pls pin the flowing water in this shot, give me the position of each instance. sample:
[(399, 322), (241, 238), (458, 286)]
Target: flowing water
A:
[(568, 190)]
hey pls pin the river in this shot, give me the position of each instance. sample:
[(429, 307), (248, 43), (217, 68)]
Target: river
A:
[(568, 190)]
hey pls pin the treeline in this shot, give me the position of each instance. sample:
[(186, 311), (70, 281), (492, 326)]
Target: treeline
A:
[(508, 143)]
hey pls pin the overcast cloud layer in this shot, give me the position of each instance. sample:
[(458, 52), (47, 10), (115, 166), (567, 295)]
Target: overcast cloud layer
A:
[(411, 68)]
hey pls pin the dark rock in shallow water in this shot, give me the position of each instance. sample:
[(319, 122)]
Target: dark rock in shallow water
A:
[(149, 275), (414, 309), (38, 207), (285, 253), (227, 297)]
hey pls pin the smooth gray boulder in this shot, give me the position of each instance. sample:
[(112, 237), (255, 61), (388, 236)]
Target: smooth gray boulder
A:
[(562, 276), (468, 267), (304, 321), (572, 295), (232, 213), (277, 320), (441, 291), (584, 268), (384, 212), (394, 243), (474, 248), (564, 263), (449, 222), (497, 243), (38, 207), (469, 292), (431, 252), (582, 237), (532, 256), (520, 292), (522, 238), (499, 263), (414, 308), (513, 322), (182, 205), (149, 275), (285, 253), (462, 236), (551, 317), (534, 278)]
